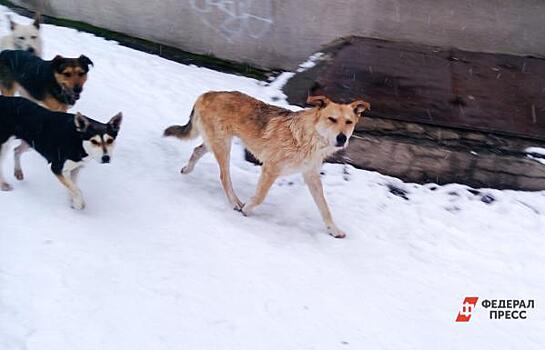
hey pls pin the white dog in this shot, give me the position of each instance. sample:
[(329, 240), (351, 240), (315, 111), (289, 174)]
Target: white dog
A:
[(23, 37)]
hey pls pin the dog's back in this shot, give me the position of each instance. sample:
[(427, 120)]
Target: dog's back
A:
[(264, 129), (15, 66), (242, 114), (46, 131)]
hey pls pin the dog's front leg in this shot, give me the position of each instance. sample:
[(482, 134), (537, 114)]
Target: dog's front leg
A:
[(266, 180), (74, 175), (314, 183), (75, 194)]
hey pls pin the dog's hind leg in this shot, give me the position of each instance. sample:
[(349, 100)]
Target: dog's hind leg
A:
[(198, 152), (268, 175), (17, 152), (222, 153), (4, 186), (7, 85), (7, 90), (314, 183)]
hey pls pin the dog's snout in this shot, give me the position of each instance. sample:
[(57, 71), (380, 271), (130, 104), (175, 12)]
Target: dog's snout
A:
[(341, 140), (78, 89), (31, 50), (105, 158)]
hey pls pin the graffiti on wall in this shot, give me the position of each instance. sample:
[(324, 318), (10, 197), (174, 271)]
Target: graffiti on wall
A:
[(235, 18)]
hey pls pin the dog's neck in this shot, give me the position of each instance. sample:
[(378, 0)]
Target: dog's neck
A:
[(303, 128), (62, 97), (59, 94)]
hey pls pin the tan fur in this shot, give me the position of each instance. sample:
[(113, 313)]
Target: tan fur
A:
[(286, 142), (53, 104), (49, 101), (70, 77), (8, 91)]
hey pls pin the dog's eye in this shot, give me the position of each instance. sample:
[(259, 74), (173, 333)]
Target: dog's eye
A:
[(34, 37), (333, 120), (22, 38), (348, 122), (68, 75), (95, 142), (110, 141), (81, 74)]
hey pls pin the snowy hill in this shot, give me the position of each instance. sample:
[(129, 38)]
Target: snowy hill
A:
[(158, 260)]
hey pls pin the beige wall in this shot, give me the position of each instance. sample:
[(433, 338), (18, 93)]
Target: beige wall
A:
[(282, 33)]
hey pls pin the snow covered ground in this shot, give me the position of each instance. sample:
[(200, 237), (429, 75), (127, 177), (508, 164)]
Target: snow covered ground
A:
[(160, 261)]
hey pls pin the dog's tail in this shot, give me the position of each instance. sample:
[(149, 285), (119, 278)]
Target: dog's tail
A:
[(184, 132)]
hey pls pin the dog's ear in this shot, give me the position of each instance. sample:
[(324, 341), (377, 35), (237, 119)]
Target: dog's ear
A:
[(57, 63), (81, 122), (12, 24), (360, 107), (85, 61), (318, 101), (37, 20), (115, 123)]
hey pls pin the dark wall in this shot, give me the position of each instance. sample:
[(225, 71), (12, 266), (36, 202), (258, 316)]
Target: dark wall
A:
[(282, 33)]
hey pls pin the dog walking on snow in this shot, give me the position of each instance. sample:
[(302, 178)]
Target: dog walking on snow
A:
[(66, 140), (285, 142)]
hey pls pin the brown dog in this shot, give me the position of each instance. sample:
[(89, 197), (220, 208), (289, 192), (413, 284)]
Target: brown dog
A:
[(285, 142), (56, 84)]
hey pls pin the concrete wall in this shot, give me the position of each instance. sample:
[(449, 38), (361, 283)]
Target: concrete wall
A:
[(282, 33)]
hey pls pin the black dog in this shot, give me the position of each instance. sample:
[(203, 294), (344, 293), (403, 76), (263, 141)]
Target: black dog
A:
[(65, 140), (57, 84)]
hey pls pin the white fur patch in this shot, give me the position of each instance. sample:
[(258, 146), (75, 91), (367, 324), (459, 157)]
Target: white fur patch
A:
[(94, 151), (23, 37), (97, 146), (70, 165)]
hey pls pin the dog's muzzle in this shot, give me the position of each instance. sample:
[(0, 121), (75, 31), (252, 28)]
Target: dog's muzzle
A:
[(70, 96), (341, 140), (77, 92), (106, 159)]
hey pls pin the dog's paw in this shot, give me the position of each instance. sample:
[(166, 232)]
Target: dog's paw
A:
[(238, 207), (186, 170), (6, 187), (336, 232), (19, 174), (78, 204), (246, 210)]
